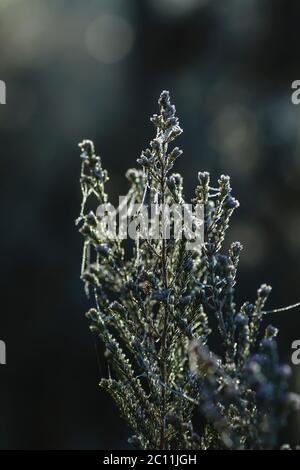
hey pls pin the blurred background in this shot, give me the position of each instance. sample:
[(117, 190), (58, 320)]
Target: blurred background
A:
[(94, 69)]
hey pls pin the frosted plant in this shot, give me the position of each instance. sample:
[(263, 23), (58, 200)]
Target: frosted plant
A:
[(155, 306)]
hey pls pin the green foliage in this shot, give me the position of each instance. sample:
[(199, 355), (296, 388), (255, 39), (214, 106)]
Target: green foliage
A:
[(154, 311)]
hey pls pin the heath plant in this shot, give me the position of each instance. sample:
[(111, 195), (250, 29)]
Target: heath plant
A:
[(156, 302)]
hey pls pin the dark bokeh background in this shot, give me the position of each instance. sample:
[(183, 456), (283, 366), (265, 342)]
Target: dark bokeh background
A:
[(93, 69)]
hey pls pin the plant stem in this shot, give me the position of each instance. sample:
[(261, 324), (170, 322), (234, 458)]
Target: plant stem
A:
[(165, 324)]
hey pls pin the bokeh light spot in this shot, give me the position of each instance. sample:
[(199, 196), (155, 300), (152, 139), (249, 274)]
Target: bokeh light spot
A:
[(109, 38)]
